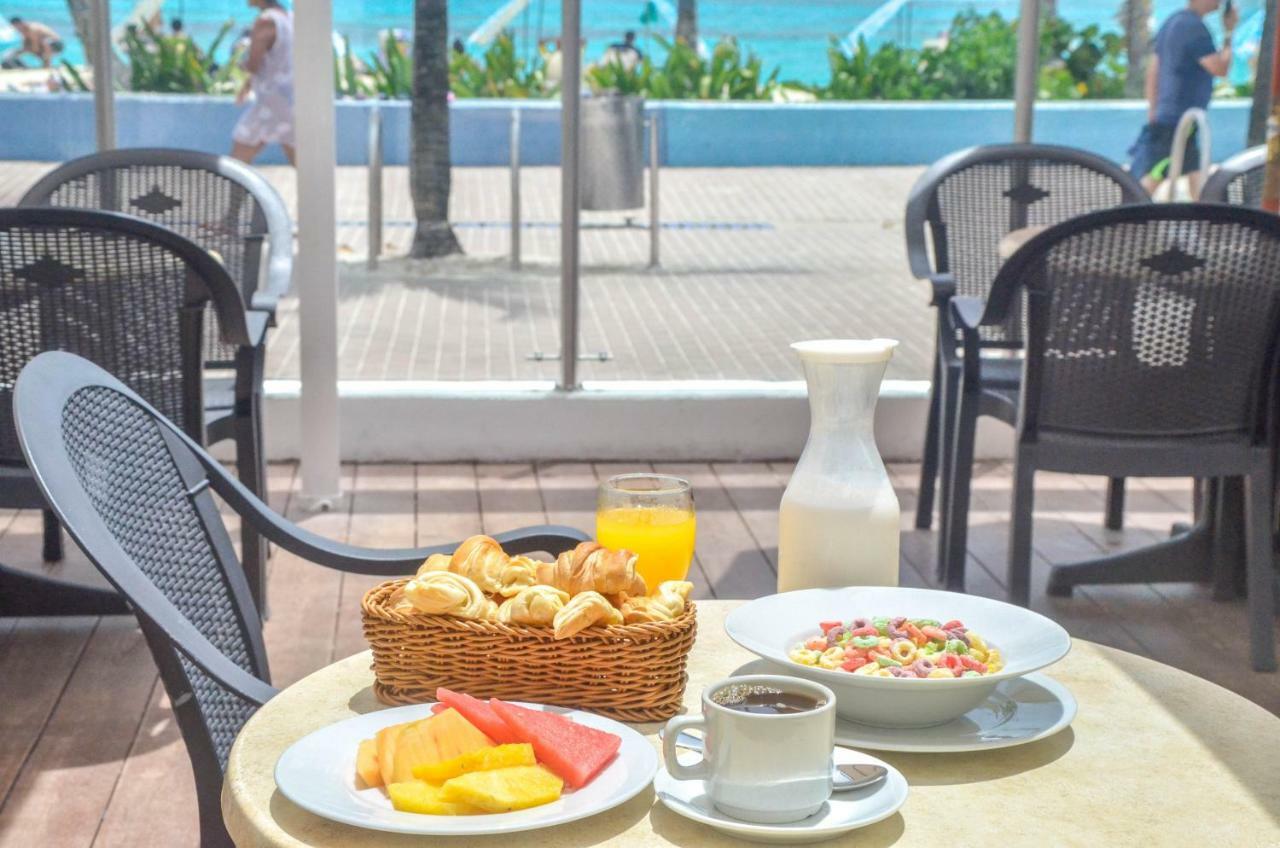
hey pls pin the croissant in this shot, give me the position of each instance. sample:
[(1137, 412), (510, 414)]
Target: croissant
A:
[(435, 562), (582, 611), (663, 605), (483, 560), (592, 567), (535, 605), (446, 593)]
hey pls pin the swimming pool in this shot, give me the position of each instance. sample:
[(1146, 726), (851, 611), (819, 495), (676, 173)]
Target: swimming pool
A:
[(792, 34)]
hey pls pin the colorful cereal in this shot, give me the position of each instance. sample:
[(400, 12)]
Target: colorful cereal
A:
[(898, 646)]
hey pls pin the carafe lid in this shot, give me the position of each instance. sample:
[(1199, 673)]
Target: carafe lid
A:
[(846, 351)]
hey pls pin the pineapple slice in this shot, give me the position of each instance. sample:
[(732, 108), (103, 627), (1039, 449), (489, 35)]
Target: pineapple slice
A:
[(502, 790), (441, 737), (484, 759), (367, 763), (416, 796)]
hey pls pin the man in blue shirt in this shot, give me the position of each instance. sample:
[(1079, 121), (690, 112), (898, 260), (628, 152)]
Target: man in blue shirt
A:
[(1180, 76)]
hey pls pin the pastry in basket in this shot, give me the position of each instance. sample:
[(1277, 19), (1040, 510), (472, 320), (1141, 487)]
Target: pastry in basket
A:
[(536, 605), (591, 567), (584, 610), (435, 562), (667, 603), (483, 560), (446, 593)]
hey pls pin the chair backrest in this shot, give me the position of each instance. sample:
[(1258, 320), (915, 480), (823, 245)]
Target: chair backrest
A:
[(119, 291), (967, 202), (1148, 322), (215, 201), (1238, 180), (137, 501)]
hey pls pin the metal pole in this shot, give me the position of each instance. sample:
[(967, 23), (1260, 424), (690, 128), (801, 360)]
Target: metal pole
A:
[(317, 270), (104, 98), (1178, 156), (570, 92), (375, 186), (654, 217), (1026, 82), (515, 188)]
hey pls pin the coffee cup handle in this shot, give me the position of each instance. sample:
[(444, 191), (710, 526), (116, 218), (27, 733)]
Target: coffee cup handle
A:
[(675, 726)]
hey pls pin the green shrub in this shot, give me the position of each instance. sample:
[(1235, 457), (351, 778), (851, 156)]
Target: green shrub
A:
[(684, 75), (175, 64), (499, 72)]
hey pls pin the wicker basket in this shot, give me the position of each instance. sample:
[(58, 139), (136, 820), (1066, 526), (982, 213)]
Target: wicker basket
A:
[(632, 672)]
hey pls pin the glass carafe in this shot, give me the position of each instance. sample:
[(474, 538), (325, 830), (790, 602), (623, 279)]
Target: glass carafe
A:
[(839, 520)]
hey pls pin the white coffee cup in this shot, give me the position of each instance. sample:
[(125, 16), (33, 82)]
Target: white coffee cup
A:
[(759, 767)]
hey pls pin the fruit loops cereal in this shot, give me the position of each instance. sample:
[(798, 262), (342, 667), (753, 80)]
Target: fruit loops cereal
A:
[(899, 647)]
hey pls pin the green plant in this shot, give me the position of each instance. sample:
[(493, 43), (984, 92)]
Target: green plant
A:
[(393, 77), (175, 64), (500, 72), (71, 78), (684, 75)]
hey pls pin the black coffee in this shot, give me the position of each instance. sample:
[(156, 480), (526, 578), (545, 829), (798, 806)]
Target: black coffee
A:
[(765, 700)]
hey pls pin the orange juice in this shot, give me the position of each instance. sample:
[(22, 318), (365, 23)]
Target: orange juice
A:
[(662, 536)]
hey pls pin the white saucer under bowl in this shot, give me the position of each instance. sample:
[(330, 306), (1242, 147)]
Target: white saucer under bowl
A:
[(845, 811), (1019, 711)]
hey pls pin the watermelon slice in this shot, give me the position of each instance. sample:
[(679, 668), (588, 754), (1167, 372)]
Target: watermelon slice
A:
[(573, 751), (478, 713)]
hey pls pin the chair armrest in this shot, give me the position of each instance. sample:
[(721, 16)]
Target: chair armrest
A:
[(944, 288), (276, 285), (966, 316), (256, 322), (193, 645)]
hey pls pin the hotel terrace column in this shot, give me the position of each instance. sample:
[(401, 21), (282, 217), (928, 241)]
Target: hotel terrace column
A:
[(317, 272)]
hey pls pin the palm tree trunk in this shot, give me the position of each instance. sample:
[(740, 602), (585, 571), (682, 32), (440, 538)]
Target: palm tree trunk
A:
[(429, 165), (687, 22), (1262, 80), (1135, 17)]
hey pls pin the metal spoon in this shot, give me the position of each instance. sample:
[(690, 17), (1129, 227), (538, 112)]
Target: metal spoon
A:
[(847, 777)]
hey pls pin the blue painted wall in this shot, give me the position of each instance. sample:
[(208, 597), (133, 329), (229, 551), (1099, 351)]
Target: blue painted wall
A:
[(56, 127)]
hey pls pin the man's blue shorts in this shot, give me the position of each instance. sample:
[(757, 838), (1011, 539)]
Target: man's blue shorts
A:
[(1155, 144)]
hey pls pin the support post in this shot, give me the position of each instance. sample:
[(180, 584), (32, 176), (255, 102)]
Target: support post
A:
[(515, 188), (104, 96), (570, 119), (317, 272), (655, 220), (375, 186), (1028, 70)]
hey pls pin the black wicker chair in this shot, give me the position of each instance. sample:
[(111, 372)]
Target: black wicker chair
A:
[(1152, 338), (227, 208), (136, 494), (1238, 180), (963, 206), (131, 296)]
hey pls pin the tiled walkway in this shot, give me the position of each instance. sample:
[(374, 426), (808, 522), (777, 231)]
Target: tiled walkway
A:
[(752, 259), (90, 755)]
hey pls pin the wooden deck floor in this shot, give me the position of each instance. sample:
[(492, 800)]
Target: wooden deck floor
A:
[(90, 755)]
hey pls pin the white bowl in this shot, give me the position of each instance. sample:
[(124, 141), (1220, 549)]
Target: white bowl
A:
[(771, 626)]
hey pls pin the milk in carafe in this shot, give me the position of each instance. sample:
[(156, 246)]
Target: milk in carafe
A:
[(839, 520)]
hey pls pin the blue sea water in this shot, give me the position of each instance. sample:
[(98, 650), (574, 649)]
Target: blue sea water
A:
[(790, 34)]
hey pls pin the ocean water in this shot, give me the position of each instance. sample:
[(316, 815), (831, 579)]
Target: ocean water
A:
[(790, 34)]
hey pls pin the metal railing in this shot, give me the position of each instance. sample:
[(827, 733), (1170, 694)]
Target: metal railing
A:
[(375, 186)]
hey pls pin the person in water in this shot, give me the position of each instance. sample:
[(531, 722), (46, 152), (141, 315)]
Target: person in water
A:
[(269, 119)]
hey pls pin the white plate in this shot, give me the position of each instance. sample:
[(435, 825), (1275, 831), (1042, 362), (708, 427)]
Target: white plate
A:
[(845, 811), (771, 626), (1021, 710), (318, 773)]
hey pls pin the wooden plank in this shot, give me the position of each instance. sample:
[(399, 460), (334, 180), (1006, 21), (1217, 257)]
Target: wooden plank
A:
[(755, 490), (509, 497), (915, 547), (734, 566), (304, 596), (383, 514), (63, 788), (569, 493), (36, 661), (448, 504), (154, 801)]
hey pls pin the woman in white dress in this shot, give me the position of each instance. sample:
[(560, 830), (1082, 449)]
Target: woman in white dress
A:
[(269, 119)]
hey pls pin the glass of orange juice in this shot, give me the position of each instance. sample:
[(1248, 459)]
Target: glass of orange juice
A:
[(651, 515)]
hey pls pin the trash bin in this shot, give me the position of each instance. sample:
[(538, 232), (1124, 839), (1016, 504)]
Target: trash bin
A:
[(612, 174)]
